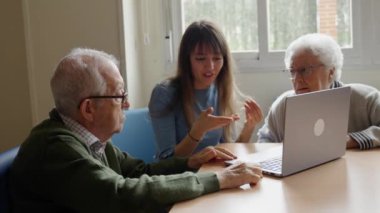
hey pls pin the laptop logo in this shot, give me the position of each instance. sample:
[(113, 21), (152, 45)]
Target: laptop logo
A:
[(319, 127)]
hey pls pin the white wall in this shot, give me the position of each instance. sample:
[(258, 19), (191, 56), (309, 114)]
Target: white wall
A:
[(15, 113), (152, 52), (134, 76), (36, 34), (53, 27)]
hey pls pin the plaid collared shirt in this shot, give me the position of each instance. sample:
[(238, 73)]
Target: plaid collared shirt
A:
[(86, 136)]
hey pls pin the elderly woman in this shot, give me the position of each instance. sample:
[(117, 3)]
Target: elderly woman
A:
[(314, 62)]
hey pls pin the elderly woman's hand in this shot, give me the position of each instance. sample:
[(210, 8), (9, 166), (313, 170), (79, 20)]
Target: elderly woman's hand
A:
[(351, 143)]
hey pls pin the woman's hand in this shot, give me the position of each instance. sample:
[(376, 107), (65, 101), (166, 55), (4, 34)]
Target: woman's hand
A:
[(351, 143), (207, 121)]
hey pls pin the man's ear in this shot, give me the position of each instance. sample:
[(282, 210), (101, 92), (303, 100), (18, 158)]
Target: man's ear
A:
[(87, 110)]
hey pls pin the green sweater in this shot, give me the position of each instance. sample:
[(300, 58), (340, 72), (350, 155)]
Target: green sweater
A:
[(55, 172)]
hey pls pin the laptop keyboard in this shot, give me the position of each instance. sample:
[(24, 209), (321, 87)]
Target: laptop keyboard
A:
[(273, 164)]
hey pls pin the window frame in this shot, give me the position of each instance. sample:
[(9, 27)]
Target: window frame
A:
[(359, 56)]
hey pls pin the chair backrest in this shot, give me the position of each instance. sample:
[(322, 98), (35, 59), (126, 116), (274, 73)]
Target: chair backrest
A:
[(137, 137), (6, 160)]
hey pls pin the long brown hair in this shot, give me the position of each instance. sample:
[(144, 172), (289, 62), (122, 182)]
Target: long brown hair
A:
[(205, 34)]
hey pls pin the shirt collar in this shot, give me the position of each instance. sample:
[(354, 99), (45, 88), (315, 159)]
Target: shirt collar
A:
[(86, 136)]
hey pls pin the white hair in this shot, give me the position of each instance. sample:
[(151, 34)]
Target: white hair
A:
[(321, 45), (78, 76)]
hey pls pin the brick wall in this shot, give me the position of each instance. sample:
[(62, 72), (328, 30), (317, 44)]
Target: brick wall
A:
[(328, 17)]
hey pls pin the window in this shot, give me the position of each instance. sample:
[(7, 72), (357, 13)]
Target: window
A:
[(331, 17), (240, 26), (237, 18), (258, 31)]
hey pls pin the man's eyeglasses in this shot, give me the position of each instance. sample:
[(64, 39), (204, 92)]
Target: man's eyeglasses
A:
[(122, 98), (303, 72)]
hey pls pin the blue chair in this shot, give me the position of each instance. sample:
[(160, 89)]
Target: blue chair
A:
[(6, 160), (137, 137)]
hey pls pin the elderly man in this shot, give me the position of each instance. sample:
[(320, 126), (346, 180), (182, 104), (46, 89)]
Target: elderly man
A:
[(314, 62), (68, 165)]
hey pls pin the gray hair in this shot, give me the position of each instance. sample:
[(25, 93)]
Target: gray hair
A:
[(78, 76), (322, 46)]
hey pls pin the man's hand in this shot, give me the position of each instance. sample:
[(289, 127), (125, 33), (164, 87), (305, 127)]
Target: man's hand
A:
[(207, 154), (239, 174)]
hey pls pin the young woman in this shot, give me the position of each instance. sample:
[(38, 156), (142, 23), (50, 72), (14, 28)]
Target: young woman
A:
[(197, 107)]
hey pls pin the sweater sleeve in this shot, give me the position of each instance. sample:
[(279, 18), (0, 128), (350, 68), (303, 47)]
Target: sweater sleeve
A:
[(132, 167), (85, 185), (364, 124), (164, 125), (274, 125)]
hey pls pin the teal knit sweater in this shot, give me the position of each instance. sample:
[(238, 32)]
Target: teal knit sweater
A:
[(55, 172)]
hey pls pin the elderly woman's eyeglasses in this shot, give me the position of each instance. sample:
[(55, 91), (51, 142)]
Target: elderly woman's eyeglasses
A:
[(303, 72), (122, 98)]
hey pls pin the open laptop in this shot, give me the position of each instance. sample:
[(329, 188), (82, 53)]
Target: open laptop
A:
[(315, 133)]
